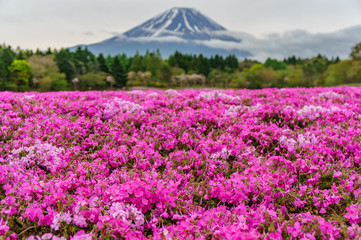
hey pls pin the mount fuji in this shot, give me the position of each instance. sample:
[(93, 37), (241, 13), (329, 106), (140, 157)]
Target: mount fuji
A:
[(188, 31), (178, 29)]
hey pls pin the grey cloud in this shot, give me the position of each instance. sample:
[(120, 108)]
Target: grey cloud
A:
[(304, 44), (299, 43)]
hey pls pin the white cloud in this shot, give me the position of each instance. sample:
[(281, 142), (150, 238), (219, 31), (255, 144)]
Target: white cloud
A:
[(298, 42), (151, 39)]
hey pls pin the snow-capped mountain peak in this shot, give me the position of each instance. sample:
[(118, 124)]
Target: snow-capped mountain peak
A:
[(188, 31), (186, 23), (185, 30)]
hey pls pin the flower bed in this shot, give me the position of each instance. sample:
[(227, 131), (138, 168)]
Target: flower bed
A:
[(264, 164)]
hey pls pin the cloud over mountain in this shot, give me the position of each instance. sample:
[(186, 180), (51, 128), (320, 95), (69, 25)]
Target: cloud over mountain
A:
[(189, 31), (177, 29), (303, 44)]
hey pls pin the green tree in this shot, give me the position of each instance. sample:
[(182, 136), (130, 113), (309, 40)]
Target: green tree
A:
[(93, 81), (84, 61), (59, 82), (218, 78), (152, 62), (119, 73), (64, 60), (137, 63), (275, 64), (340, 73), (45, 84), (260, 77), (253, 80), (7, 56), (102, 63), (238, 80), (48, 51), (255, 67), (356, 52), (268, 77), (217, 62), (293, 60), (45, 73), (38, 52), (231, 62), (202, 65), (42, 65), (247, 64), (165, 75), (314, 70), (180, 60), (20, 72), (295, 77)]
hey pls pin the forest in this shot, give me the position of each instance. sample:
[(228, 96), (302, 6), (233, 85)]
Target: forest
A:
[(63, 70)]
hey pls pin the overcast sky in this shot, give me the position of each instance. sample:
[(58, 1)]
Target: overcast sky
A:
[(64, 23)]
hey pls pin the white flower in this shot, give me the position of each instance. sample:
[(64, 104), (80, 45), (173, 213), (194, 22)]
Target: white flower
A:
[(255, 107), (118, 105), (27, 97), (41, 154), (311, 112), (330, 95), (136, 92), (223, 154), (153, 95), (165, 232), (172, 92), (242, 222), (216, 94), (79, 220), (232, 111), (61, 217), (289, 143), (129, 214)]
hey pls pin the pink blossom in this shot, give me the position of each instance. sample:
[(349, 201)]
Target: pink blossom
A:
[(337, 174), (185, 164), (81, 235)]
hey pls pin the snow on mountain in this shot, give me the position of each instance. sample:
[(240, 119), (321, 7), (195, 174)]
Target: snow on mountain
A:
[(186, 23), (178, 29), (188, 31)]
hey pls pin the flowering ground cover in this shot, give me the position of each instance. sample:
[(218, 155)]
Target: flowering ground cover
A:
[(263, 164)]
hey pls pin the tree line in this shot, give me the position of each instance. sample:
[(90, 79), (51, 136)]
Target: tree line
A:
[(59, 70)]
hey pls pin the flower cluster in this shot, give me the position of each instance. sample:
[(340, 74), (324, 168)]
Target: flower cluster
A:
[(118, 105), (39, 154), (181, 164), (353, 213), (3, 227), (330, 95), (129, 214), (216, 94)]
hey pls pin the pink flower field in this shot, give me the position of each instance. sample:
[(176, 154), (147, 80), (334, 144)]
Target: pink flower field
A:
[(190, 164)]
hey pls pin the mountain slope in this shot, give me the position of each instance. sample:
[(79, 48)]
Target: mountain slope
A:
[(130, 47), (178, 29), (186, 23), (188, 31)]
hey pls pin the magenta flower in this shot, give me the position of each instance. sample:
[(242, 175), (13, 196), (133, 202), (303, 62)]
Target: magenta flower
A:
[(181, 164)]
